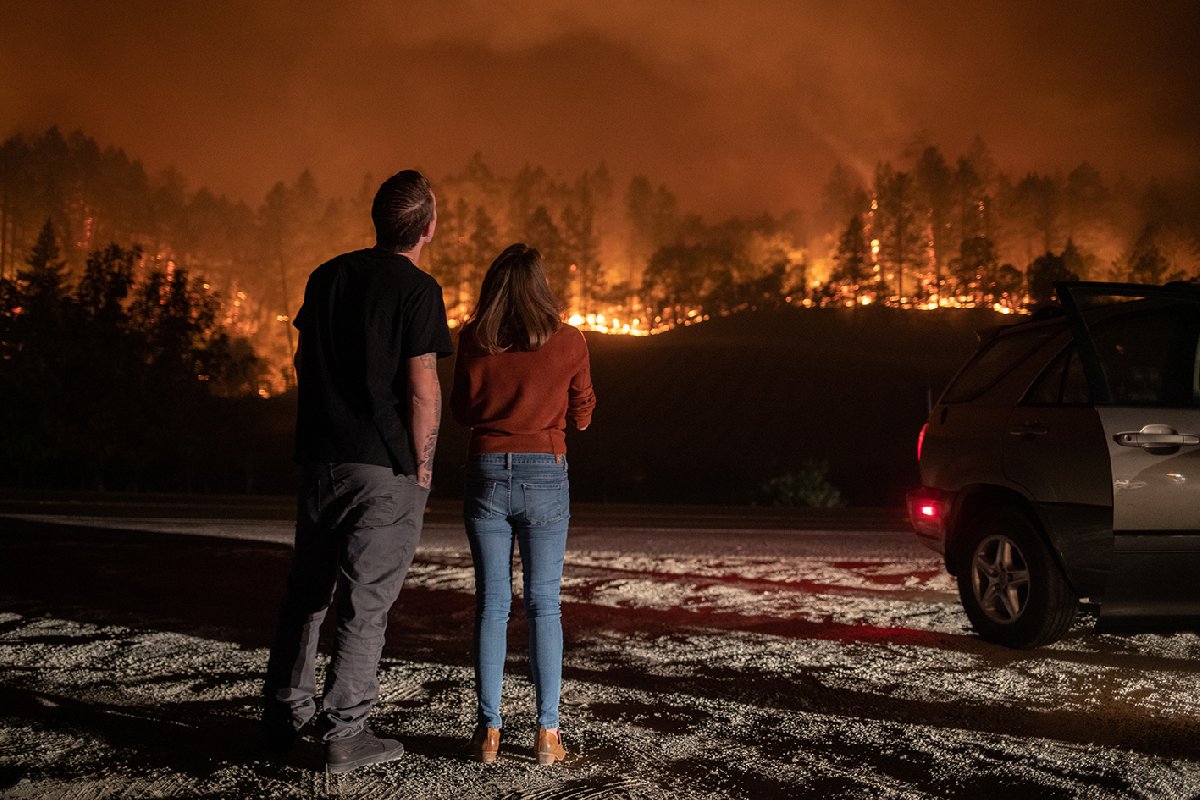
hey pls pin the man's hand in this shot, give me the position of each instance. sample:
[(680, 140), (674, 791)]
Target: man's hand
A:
[(425, 402)]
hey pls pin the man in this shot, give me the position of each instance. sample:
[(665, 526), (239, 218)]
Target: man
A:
[(372, 327)]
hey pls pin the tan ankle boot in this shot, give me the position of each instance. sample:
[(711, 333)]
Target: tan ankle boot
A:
[(485, 744), (549, 747)]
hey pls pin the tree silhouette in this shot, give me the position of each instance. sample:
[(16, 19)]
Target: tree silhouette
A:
[(680, 275), (580, 247), (257, 257), (105, 285), (653, 214), (897, 228), (1085, 199), (36, 361), (109, 376), (968, 189), (107, 357), (484, 244), (543, 234), (451, 250), (43, 280), (975, 267), (1076, 261), (293, 242), (1040, 199), (853, 256), (1006, 284), (1145, 262), (936, 193), (842, 196), (530, 188), (1043, 273)]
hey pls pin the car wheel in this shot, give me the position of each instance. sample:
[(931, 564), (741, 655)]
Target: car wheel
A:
[(1012, 589)]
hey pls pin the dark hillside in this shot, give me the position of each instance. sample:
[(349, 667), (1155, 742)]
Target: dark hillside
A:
[(704, 414), (708, 413)]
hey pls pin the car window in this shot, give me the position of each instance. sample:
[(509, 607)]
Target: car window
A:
[(1062, 383), (1147, 351), (996, 359), (1075, 391)]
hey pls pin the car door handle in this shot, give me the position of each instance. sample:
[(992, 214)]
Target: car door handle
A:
[(1152, 440), (1028, 431)]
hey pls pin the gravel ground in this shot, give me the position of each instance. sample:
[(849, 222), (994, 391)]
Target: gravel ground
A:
[(699, 663)]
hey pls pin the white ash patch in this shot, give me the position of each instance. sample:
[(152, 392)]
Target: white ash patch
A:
[(817, 607), (874, 692), (884, 575), (439, 575), (627, 739), (1182, 646), (912, 672)]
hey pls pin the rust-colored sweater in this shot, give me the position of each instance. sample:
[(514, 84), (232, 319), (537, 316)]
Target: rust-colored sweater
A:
[(519, 402)]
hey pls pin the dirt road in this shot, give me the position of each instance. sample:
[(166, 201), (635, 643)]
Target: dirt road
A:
[(706, 657)]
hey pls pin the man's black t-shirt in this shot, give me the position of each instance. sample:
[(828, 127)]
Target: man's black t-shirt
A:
[(364, 315)]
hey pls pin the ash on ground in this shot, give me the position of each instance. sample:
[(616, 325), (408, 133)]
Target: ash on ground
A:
[(706, 664)]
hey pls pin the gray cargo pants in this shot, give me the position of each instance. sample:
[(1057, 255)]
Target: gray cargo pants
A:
[(357, 528)]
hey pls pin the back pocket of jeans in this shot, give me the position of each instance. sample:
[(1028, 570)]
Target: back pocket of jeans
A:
[(377, 511), (545, 502), (483, 499)]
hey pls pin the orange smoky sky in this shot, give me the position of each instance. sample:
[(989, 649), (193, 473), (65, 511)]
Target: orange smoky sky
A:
[(739, 107)]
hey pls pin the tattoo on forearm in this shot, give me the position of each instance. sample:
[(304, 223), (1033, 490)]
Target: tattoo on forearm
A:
[(431, 441), (430, 446), (425, 459)]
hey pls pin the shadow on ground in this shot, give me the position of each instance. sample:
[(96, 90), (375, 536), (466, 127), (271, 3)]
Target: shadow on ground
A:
[(227, 590)]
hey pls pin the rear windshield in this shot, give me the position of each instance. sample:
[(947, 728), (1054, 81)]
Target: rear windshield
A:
[(996, 359)]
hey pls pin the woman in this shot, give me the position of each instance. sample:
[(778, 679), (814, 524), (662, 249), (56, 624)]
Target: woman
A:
[(521, 373)]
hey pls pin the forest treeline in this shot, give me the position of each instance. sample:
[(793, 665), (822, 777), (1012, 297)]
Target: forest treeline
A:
[(964, 232), (145, 326), (111, 379), (926, 228)]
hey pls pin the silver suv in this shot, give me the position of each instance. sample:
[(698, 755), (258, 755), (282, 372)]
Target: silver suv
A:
[(1062, 464)]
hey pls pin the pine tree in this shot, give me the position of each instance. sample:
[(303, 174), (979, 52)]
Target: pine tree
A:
[(897, 222), (1145, 261), (484, 246), (1046, 270), (853, 256), (936, 192), (42, 284), (581, 249), (546, 237), (975, 267), (106, 282)]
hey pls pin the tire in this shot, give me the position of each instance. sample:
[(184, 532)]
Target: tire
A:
[(1010, 585)]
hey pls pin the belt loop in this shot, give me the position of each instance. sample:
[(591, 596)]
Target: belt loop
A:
[(508, 461)]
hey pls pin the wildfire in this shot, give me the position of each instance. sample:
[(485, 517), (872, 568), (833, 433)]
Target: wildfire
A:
[(618, 322), (603, 323)]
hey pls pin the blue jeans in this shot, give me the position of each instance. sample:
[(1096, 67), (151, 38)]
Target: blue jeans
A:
[(521, 497)]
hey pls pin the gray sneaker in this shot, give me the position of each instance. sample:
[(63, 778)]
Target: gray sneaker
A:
[(359, 750)]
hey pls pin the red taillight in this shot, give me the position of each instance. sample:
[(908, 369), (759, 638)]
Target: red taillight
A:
[(921, 439), (928, 511)]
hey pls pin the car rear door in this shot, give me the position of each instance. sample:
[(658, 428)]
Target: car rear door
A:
[(1139, 350), (1056, 452)]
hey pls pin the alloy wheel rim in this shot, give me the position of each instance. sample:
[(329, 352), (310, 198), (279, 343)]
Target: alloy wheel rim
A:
[(1000, 579)]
